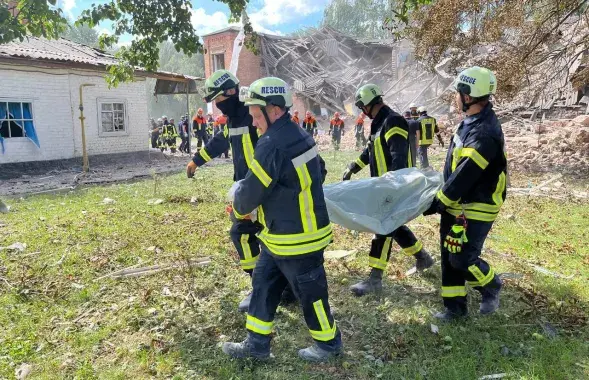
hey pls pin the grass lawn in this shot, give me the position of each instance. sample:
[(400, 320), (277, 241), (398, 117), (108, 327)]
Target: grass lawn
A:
[(57, 317)]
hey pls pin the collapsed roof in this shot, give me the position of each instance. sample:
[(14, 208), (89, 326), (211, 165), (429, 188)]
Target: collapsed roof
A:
[(327, 66)]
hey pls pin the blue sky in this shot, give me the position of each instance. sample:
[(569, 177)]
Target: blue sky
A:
[(269, 16)]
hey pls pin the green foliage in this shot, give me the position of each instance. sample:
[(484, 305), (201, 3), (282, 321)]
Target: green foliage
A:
[(150, 22), (40, 18)]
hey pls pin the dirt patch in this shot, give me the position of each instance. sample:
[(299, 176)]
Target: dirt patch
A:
[(41, 177)]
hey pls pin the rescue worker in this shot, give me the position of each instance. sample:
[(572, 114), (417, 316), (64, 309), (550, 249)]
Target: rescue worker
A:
[(413, 110), (183, 132), (172, 136), (284, 185), (336, 130), (221, 124), (387, 150), (222, 87), (428, 126), (472, 195), (359, 132), (211, 124), (295, 118), (199, 126), (310, 124), (413, 127), (155, 133), (167, 136)]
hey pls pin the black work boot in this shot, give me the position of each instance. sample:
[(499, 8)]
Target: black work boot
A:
[(373, 284), (450, 315), (315, 353), (423, 260), (246, 349), (490, 296)]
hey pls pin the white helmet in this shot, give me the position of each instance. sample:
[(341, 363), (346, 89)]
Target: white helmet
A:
[(422, 109), (476, 82), (267, 91), (412, 105)]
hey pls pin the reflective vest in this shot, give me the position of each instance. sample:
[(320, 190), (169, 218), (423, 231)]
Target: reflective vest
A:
[(388, 148), (427, 129)]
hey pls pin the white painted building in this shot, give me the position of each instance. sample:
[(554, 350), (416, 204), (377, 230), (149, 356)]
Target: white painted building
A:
[(39, 103)]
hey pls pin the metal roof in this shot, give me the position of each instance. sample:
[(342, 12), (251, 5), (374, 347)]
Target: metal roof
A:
[(60, 50), (66, 52)]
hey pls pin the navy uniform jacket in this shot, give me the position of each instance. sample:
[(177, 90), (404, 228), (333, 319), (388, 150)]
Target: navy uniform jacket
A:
[(284, 184), (475, 173), (388, 147), (241, 135)]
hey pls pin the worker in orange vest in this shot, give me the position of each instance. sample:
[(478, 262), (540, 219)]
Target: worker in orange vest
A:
[(336, 130), (295, 118), (310, 124), (359, 132), (199, 126)]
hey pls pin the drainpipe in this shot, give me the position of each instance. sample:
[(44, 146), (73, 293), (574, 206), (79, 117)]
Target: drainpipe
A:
[(85, 164)]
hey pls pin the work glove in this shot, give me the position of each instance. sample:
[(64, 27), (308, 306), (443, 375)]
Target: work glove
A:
[(190, 169), (457, 236), (435, 208), (348, 173)]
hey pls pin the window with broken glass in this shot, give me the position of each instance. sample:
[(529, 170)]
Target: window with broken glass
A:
[(112, 117), (15, 119)]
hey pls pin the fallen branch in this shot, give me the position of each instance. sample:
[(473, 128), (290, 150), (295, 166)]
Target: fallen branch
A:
[(144, 271)]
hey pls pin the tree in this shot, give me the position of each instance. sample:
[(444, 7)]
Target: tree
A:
[(358, 18), (150, 22), (81, 34), (530, 44)]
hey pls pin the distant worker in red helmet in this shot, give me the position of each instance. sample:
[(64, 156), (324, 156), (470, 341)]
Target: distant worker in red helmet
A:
[(295, 118), (359, 132), (199, 126), (336, 130), (310, 124)]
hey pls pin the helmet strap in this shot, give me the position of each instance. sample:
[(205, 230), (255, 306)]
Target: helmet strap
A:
[(465, 105), (266, 116)]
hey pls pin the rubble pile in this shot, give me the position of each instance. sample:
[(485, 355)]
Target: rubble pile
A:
[(552, 145)]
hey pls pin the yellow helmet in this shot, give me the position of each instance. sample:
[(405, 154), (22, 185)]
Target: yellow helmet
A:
[(218, 83), (367, 94), (270, 90)]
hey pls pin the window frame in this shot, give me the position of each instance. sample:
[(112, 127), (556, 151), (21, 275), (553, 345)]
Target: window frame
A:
[(101, 131), (214, 56), (33, 119)]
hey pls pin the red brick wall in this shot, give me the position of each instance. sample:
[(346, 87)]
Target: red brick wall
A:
[(299, 105), (249, 68)]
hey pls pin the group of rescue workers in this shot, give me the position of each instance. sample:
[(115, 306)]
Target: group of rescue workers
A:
[(164, 132), (280, 221), (422, 128)]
